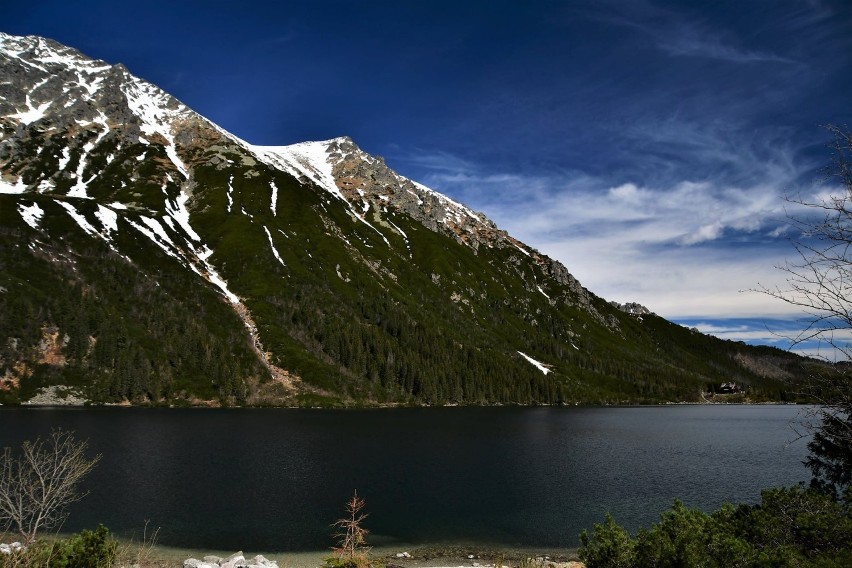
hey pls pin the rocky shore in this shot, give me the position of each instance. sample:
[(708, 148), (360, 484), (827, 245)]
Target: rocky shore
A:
[(424, 558), (428, 558), (236, 560), (539, 562)]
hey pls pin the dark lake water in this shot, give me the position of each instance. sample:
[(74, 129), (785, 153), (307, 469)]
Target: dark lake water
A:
[(274, 479)]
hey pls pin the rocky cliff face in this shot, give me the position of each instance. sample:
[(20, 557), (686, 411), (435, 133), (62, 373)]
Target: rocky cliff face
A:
[(59, 100)]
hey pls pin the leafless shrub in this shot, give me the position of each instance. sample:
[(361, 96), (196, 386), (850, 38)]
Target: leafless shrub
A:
[(38, 484), (352, 551)]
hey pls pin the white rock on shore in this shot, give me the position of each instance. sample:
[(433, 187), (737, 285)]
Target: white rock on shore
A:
[(10, 548), (236, 560)]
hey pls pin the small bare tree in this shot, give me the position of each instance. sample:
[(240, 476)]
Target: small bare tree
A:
[(38, 485), (352, 550)]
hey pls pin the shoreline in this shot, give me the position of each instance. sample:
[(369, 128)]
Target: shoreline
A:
[(413, 556), (385, 406)]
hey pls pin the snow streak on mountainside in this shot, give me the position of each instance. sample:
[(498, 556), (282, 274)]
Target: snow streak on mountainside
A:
[(341, 271)]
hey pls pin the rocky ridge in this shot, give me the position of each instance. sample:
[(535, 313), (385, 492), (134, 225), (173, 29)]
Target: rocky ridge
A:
[(372, 189), (368, 182)]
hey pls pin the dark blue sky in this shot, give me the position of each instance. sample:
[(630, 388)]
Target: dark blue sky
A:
[(647, 145)]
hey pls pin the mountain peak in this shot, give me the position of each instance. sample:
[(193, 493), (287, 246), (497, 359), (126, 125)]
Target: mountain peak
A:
[(342, 140), (44, 53)]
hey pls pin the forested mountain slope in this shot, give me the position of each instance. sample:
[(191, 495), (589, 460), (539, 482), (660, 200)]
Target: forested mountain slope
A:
[(149, 256)]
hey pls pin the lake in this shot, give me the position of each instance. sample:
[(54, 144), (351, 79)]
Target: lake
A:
[(274, 479)]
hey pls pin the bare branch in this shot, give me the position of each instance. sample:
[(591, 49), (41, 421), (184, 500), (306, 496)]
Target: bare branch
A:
[(819, 282), (37, 486)]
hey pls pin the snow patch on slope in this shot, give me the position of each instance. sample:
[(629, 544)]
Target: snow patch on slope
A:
[(522, 250), (66, 157), (31, 215), (79, 189), (274, 204), (213, 277), (537, 364), (79, 218), (108, 219), (151, 105), (158, 230), (308, 159), (400, 231), (272, 246), (230, 193), (16, 188), (153, 238), (178, 211), (32, 114)]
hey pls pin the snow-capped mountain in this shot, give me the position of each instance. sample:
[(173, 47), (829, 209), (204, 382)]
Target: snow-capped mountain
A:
[(308, 273), (58, 89)]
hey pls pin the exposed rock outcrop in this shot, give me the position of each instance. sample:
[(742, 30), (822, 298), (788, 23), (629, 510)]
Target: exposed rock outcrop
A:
[(57, 395), (632, 308)]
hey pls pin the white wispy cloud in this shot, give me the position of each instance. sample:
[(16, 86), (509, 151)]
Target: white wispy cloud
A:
[(683, 248), (442, 162), (783, 334), (675, 33), (692, 41), (772, 332)]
